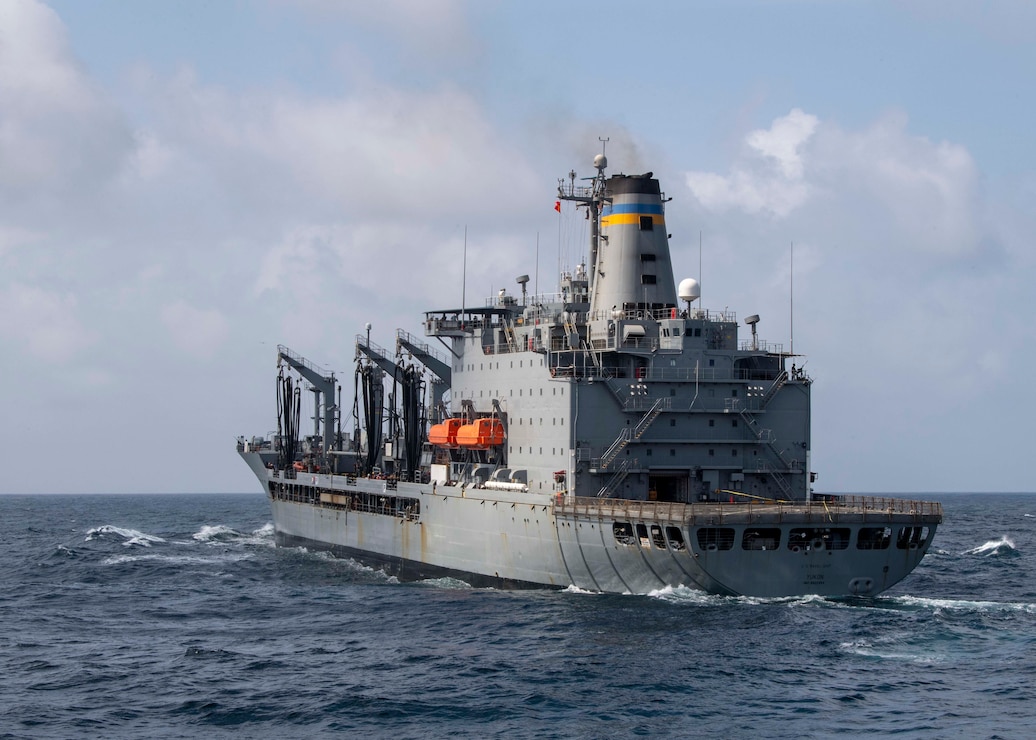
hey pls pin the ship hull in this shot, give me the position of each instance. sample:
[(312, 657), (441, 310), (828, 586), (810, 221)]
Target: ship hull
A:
[(503, 539)]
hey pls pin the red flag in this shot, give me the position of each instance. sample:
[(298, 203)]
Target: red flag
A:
[(557, 206)]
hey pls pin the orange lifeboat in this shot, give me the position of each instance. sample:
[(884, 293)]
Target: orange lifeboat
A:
[(445, 434), (481, 435)]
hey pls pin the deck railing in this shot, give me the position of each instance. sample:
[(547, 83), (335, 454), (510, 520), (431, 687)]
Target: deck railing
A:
[(835, 509)]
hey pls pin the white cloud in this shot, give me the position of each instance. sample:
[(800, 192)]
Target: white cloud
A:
[(769, 178), (920, 195), (57, 132), (199, 332), (782, 141), (377, 153), (47, 323)]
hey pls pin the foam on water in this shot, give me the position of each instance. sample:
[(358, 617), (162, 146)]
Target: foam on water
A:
[(222, 534), (686, 596), (1002, 546), (454, 584), (893, 647), (176, 559), (577, 590), (130, 536), (962, 605)]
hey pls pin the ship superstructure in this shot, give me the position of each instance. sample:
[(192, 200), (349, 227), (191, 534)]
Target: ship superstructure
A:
[(613, 436)]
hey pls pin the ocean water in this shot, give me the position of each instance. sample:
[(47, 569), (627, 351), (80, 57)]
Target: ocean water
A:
[(175, 616)]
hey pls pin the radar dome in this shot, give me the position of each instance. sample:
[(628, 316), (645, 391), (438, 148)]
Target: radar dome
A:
[(689, 290), (600, 161)]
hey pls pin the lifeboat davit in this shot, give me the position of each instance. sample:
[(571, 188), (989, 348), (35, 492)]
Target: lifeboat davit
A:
[(445, 434), (481, 435)]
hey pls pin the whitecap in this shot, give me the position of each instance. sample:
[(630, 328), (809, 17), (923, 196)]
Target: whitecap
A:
[(218, 532), (577, 590), (686, 595), (446, 582), (1001, 546), (963, 604), (890, 649), (175, 559), (131, 536)]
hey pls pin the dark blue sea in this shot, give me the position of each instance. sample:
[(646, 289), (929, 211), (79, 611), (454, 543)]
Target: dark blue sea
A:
[(175, 616)]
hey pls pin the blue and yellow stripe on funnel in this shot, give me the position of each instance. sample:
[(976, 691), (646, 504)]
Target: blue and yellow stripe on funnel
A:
[(631, 213)]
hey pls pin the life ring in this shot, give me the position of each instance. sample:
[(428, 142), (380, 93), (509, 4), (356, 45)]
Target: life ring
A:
[(818, 544)]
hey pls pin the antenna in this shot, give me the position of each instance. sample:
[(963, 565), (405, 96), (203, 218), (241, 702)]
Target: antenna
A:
[(699, 263), (791, 300), (464, 274)]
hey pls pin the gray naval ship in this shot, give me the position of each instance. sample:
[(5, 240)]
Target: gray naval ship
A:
[(612, 437)]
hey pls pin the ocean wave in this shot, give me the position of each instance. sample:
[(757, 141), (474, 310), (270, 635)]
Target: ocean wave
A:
[(447, 583), (1002, 546), (176, 559), (892, 648), (687, 595), (962, 605), (221, 534), (129, 536), (581, 591)]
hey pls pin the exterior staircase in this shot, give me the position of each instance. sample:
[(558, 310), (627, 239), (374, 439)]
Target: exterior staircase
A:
[(766, 435), (617, 478), (629, 434)]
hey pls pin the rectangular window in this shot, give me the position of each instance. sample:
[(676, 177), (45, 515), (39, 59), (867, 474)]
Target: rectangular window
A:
[(715, 538), (648, 279), (647, 257), (911, 538), (647, 223), (764, 538), (818, 538), (873, 538)]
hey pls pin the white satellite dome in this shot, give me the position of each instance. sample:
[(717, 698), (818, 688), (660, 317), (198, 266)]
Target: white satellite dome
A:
[(689, 290)]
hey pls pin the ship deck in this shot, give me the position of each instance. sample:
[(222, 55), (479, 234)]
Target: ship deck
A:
[(840, 510)]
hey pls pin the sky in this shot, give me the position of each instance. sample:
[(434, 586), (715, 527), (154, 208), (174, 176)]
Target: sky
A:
[(184, 186)]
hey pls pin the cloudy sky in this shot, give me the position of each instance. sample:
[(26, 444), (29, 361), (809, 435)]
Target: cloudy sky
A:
[(183, 186)]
